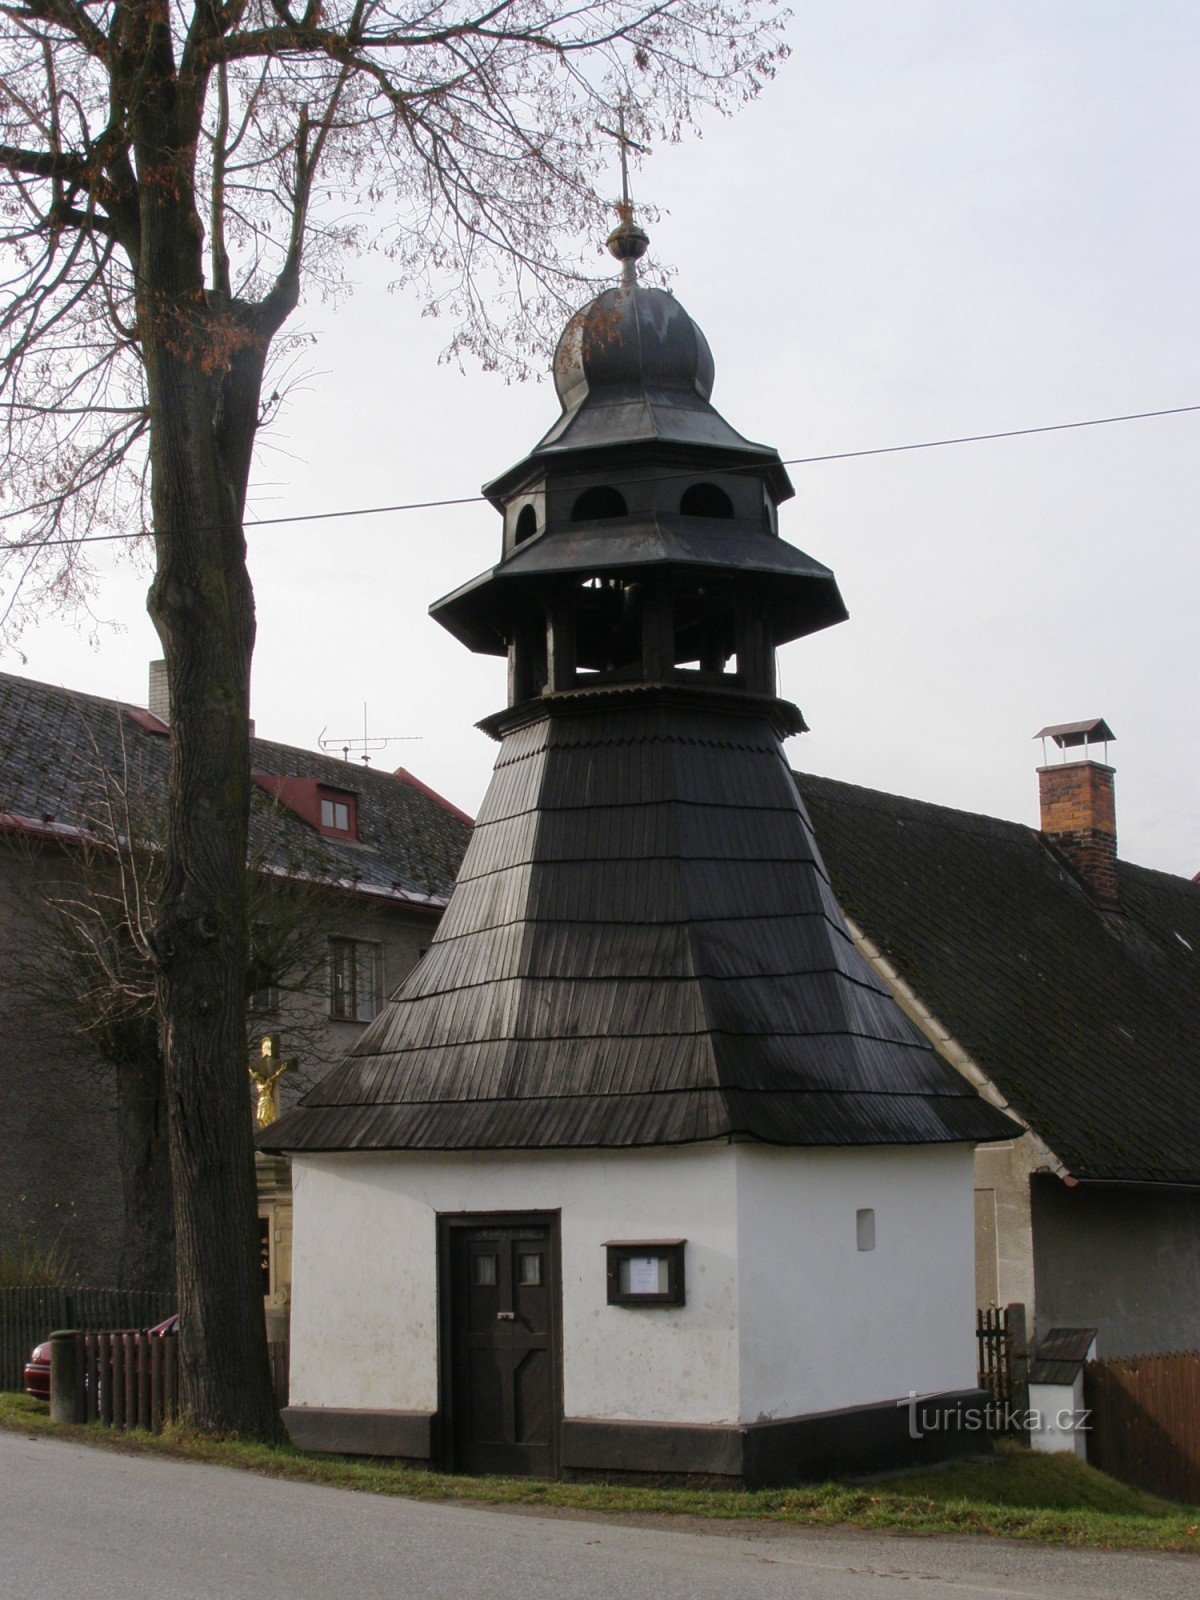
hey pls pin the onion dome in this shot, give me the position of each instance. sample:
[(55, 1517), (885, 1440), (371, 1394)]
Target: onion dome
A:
[(641, 493), (631, 337), (632, 368)]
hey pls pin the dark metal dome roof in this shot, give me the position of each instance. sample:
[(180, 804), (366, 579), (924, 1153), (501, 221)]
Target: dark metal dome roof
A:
[(631, 337)]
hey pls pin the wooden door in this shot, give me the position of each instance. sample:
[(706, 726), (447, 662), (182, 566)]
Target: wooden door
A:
[(503, 1346)]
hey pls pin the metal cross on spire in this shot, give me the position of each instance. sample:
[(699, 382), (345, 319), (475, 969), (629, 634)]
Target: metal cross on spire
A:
[(627, 242)]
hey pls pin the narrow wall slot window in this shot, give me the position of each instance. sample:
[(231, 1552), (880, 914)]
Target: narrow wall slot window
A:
[(865, 1227), (647, 1272)]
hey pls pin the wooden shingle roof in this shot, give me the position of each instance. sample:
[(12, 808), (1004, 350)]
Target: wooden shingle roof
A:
[(642, 949), (1088, 1022)]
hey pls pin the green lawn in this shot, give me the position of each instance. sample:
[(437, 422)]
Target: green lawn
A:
[(1018, 1495)]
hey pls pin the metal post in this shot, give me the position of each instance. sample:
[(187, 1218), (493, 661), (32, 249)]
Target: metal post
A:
[(64, 1390)]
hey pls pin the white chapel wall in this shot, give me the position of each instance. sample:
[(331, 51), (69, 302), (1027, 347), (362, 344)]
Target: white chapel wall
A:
[(827, 1325), (364, 1312)]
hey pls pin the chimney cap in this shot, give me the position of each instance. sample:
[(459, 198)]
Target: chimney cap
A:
[(1067, 735)]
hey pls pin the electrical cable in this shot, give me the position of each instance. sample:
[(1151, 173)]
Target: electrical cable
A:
[(477, 499)]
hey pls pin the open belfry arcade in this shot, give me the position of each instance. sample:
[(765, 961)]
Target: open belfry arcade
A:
[(642, 1170)]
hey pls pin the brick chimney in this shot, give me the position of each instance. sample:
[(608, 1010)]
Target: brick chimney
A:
[(1078, 806), (159, 702)]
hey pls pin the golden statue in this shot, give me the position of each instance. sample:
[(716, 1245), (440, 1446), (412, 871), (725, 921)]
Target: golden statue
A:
[(266, 1079)]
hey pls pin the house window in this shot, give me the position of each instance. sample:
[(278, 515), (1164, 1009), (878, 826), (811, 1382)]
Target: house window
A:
[(264, 994), (265, 1000), (355, 979), (338, 814)]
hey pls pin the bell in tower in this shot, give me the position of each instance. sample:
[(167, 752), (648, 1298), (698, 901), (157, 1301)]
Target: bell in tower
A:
[(635, 1169)]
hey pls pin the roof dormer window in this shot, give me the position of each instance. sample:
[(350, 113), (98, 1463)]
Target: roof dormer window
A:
[(339, 814)]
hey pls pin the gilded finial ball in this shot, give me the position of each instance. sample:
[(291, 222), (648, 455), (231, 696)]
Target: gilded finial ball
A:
[(628, 242)]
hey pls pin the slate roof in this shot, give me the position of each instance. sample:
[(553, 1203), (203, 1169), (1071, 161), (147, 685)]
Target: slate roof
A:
[(642, 949), (1088, 1023), (52, 740)]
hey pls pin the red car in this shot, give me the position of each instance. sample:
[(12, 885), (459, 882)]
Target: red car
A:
[(37, 1368)]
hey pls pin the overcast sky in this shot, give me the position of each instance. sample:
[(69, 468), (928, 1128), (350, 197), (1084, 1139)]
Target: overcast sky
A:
[(941, 219)]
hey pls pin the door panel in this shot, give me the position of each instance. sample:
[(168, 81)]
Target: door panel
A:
[(503, 1347)]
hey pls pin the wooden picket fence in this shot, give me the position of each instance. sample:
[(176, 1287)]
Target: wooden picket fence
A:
[(1003, 1358), (1145, 1422), (127, 1380), (29, 1315), (131, 1380)]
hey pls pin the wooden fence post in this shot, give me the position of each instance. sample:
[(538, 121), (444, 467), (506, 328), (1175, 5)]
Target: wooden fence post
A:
[(1018, 1364), (128, 1362), (64, 1376), (170, 1376)]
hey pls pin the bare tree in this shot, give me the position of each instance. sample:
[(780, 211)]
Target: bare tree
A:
[(79, 965), (172, 171)]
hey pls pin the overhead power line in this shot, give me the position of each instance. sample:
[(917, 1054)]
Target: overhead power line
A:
[(476, 499)]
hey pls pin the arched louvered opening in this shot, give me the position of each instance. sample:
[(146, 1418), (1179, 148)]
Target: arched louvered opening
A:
[(527, 525), (599, 503), (705, 500)]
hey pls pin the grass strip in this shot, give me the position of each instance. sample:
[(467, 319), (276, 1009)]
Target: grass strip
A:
[(1017, 1495)]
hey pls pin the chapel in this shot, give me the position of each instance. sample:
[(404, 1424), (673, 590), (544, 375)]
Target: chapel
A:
[(642, 1170)]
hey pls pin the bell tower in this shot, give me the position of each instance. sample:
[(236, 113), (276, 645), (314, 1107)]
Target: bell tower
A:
[(641, 538), (643, 1099)]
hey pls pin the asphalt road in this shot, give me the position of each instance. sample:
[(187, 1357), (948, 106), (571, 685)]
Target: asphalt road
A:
[(93, 1525)]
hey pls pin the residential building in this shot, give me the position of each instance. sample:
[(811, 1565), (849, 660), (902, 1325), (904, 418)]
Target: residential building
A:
[(1064, 983), (353, 866)]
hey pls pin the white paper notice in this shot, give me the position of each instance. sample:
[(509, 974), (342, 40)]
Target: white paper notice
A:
[(643, 1275)]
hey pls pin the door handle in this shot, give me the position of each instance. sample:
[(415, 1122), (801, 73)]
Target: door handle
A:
[(506, 1316)]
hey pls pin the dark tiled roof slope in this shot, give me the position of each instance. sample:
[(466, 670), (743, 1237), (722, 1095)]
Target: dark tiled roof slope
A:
[(1088, 1024), (53, 741), (642, 949)]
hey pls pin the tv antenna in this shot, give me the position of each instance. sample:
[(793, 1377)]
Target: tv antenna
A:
[(366, 746)]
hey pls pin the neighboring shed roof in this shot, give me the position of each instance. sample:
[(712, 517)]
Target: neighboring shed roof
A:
[(1061, 1354), (1087, 1022), (642, 949), (53, 742)]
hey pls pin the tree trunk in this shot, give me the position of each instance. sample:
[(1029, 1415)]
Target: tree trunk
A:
[(148, 1238), (202, 605), (203, 356)]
